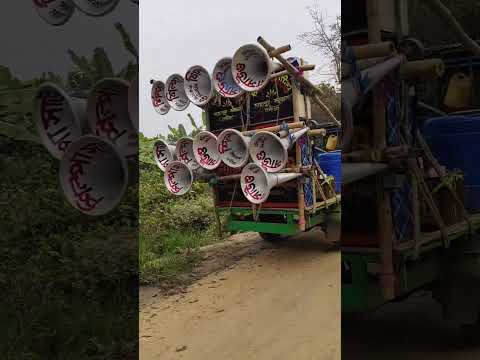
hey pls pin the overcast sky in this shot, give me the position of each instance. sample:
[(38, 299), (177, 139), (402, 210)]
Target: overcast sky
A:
[(183, 33), (30, 46)]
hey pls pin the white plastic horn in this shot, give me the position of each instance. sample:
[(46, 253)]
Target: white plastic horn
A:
[(252, 67), (205, 150), (179, 177), (159, 101), (256, 183), (60, 119), (351, 92), (175, 92), (184, 153), (198, 85), (55, 12), (270, 151), (96, 7), (94, 175), (108, 115), (133, 103), (163, 153), (233, 148), (223, 79)]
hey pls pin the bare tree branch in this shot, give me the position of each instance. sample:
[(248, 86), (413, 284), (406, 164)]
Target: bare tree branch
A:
[(326, 38)]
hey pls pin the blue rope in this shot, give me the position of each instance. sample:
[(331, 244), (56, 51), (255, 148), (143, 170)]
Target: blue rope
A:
[(360, 81), (305, 161)]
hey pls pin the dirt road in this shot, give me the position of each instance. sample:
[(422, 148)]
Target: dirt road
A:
[(281, 303), (412, 330)]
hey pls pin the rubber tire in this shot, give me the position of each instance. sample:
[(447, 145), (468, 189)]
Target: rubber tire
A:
[(273, 238), (471, 334)]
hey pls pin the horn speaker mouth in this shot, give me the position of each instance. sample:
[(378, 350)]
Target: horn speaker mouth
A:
[(198, 85), (223, 80), (93, 175), (163, 154), (108, 114), (251, 67), (178, 178), (159, 101), (56, 12), (254, 183), (205, 149), (268, 151), (175, 92), (184, 153), (56, 118), (233, 148), (96, 7)]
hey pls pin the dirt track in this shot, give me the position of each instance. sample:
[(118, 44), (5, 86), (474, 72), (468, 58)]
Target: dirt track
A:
[(277, 302), (413, 330)]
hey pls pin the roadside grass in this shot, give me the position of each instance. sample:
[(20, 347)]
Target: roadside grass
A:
[(172, 229), (66, 279)]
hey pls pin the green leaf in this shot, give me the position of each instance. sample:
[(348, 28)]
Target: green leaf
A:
[(182, 130), (192, 121), (17, 132), (103, 66), (80, 62), (127, 42)]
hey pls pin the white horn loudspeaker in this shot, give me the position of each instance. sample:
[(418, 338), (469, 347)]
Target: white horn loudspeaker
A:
[(175, 92), (270, 151), (256, 183), (223, 81), (59, 118), (205, 150), (94, 176), (252, 67), (233, 148), (163, 153), (109, 116), (159, 101), (198, 85)]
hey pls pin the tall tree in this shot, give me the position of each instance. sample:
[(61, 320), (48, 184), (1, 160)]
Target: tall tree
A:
[(326, 38)]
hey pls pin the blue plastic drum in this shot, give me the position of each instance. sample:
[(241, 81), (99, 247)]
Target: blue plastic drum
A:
[(455, 143), (331, 164)]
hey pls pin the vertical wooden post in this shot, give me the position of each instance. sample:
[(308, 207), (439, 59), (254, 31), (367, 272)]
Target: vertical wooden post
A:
[(215, 211), (384, 213), (299, 111), (301, 194)]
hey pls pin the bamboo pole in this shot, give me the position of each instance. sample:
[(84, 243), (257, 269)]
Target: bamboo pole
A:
[(352, 172), (384, 214), (227, 178), (285, 72), (317, 132), (276, 128), (439, 171), (316, 92), (217, 216), (454, 25), (301, 194), (373, 50), (361, 65), (422, 70), (279, 51), (375, 155)]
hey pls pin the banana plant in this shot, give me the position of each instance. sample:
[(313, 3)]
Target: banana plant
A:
[(16, 96)]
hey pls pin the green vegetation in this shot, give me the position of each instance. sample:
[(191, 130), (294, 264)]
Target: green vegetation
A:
[(171, 228), (68, 281)]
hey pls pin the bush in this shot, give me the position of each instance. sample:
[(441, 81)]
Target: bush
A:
[(171, 227)]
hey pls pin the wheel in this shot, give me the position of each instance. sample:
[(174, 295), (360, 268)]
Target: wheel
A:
[(471, 334), (273, 238)]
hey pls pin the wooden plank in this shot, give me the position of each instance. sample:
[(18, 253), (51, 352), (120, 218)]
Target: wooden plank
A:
[(384, 213)]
